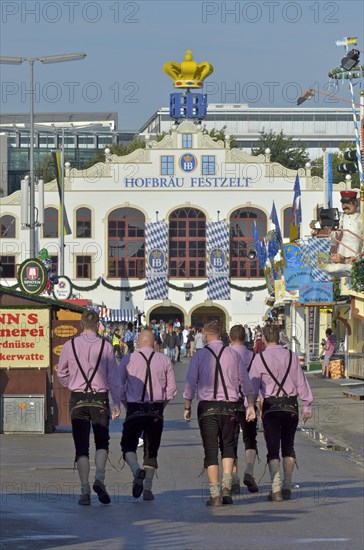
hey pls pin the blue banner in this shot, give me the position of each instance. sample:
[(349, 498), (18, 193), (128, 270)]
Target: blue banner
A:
[(218, 283), (294, 278), (316, 293)]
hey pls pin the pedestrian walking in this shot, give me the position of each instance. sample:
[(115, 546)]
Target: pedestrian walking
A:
[(280, 380), (214, 376), (249, 429), (129, 338), (171, 342), (87, 367), (147, 385), (199, 339), (329, 345)]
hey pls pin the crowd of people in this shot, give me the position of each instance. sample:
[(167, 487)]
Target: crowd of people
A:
[(229, 381), (174, 339)]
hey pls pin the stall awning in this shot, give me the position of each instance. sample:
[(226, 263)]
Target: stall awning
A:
[(117, 315)]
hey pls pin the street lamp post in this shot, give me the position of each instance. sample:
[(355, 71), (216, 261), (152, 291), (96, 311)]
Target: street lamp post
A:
[(10, 60)]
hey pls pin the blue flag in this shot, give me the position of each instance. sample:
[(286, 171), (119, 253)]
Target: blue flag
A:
[(260, 247), (273, 216), (296, 201), (273, 248)]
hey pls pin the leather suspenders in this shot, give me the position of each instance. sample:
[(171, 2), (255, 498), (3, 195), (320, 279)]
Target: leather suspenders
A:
[(218, 371), (279, 384), (148, 377), (88, 381)]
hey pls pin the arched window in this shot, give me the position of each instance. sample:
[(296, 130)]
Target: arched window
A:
[(242, 240), (126, 243), (83, 223), (287, 220), (7, 227), (187, 243), (50, 228)]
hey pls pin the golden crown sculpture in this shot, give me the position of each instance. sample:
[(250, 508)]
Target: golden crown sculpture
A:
[(188, 74)]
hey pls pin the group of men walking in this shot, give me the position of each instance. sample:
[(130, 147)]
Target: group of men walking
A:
[(226, 381)]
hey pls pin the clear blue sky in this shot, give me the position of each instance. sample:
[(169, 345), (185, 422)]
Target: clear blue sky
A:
[(264, 52)]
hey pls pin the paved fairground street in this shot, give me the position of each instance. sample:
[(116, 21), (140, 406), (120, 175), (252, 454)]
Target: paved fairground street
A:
[(39, 490)]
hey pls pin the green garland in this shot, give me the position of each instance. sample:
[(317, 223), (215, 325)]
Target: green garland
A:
[(357, 275), (101, 281)]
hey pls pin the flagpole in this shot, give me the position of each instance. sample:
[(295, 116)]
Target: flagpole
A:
[(61, 252)]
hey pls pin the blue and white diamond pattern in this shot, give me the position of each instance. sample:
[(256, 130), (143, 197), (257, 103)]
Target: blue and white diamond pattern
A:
[(218, 285), (315, 255), (156, 237)]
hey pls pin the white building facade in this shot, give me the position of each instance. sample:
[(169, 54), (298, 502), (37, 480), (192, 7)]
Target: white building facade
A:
[(162, 202)]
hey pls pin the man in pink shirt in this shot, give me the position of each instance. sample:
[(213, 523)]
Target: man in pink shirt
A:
[(147, 385), (278, 375), (87, 367), (214, 376), (249, 429)]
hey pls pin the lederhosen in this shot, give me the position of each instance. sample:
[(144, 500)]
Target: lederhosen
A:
[(89, 406), (280, 417), (144, 417), (249, 428), (218, 420)]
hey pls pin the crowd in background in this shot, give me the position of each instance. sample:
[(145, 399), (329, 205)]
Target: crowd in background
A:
[(174, 339)]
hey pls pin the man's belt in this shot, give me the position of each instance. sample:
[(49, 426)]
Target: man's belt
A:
[(88, 399), (224, 408), (146, 408), (280, 404)]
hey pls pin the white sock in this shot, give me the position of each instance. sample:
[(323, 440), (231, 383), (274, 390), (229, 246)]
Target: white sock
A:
[(149, 474), (214, 490), (226, 481), (100, 463), (132, 461), (275, 475)]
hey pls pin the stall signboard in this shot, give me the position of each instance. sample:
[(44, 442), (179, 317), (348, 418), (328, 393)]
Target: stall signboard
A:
[(294, 278), (316, 293), (24, 338)]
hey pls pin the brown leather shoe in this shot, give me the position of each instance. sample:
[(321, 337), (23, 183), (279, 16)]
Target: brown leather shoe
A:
[(275, 497), (214, 501), (226, 496), (286, 494), (251, 484)]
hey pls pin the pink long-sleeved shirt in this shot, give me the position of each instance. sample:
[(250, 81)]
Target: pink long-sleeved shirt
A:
[(201, 375), (277, 359), (88, 345), (133, 371)]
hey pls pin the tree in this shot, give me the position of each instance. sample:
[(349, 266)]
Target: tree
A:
[(220, 135), (337, 158), (282, 150), (119, 150), (46, 170)]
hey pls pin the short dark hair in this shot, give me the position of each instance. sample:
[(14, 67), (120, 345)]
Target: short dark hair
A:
[(237, 333), (271, 333), (328, 332), (90, 319), (212, 327)]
